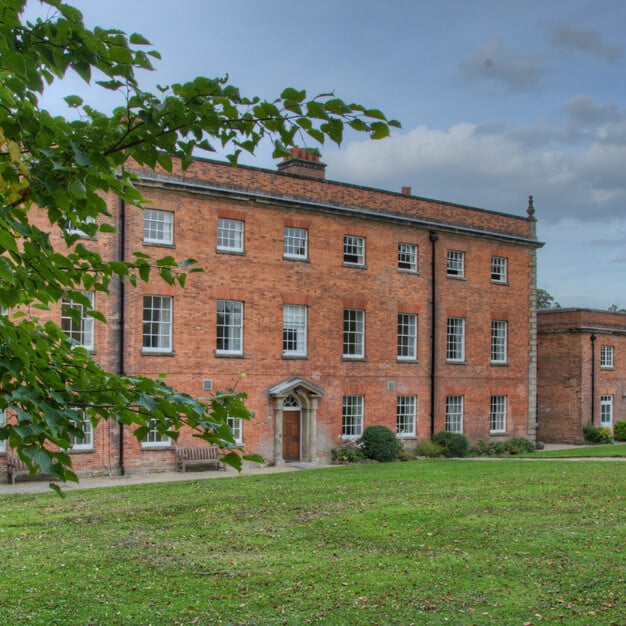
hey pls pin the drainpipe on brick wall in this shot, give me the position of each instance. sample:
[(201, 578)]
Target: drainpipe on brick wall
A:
[(593, 377), (433, 329), (122, 322)]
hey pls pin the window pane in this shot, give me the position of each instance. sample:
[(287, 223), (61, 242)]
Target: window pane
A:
[(407, 336), (157, 323), (295, 243), (407, 257), (498, 269), (497, 414), (353, 250), (456, 263), (498, 341), (454, 414), (158, 226), (230, 235), (294, 329), (229, 326), (405, 415), (352, 418), (353, 333), (456, 339), (154, 438), (75, 322)]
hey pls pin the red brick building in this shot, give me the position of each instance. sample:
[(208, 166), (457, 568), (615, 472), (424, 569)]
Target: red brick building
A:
[(333, 306), (581, 372)]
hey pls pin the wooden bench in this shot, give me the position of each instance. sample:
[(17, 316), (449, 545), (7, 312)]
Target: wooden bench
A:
[(15, 466), (198, 455)]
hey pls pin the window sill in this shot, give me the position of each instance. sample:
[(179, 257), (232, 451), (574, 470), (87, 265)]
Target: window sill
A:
[(454, 362), (607, 368), (81, 451), (235, 252), (499, 364), (348, 358), (160, 447), (145, 352), (357, 266), (504, 283), (403, 271), (498, 433), (159, 244), (455, 277), (301, 259), (228, 355), (295, 357), (410, 361)]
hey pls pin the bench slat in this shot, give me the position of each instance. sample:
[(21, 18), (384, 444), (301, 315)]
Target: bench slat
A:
[(198, 455)]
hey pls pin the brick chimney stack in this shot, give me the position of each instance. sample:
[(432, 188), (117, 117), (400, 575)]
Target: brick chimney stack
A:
[(303, 163), (406, 191)]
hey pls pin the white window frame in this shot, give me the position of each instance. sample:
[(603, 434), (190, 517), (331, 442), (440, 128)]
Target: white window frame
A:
[(82, 332), (229, 327), (454, 413), (499, 267), (455, 265), (407, 337), (154, 439), (499, 341), (72, 229), (353, 334), (406, 415), (352, 416), (3, 422), (86, 442), (497, 414), (407, 257), (606, 410), (296, 243), (230, 235), (236, 426), (606, 357), (455, 340), (158, 227), (354, 250), (294, 330), (157, 326)]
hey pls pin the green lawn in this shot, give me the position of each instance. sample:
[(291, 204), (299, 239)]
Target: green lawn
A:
[(610, 450), (425, 542)]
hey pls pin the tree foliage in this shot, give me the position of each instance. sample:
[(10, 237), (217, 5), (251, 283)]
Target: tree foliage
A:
[(64, 168), (546, 301)]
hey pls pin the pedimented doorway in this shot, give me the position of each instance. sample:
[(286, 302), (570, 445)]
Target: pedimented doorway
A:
[(295, 420)]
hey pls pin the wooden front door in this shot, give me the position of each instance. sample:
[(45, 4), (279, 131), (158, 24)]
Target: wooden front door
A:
[(291, 435)]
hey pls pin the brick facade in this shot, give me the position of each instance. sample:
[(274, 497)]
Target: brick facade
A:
[(581, 371), (329, 287)]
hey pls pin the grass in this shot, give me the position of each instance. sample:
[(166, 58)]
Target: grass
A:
[(596, 451), (427, 542)]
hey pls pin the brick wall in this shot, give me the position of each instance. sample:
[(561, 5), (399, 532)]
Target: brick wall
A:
[(264, 281), (566, 357)]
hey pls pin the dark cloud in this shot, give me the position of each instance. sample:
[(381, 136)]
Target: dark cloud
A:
[(585, 41), (501, 66)]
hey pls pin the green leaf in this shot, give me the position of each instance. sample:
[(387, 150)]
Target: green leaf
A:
[(138, 40)]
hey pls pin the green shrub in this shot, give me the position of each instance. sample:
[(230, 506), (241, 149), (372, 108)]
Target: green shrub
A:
[(428, 449), (520, 444), (619, 431), (453, 444), (379, 443), (605, 434), (406, 455), (347, 453)]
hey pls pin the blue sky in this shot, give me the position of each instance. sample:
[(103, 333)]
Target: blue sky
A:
[(498, 100)]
